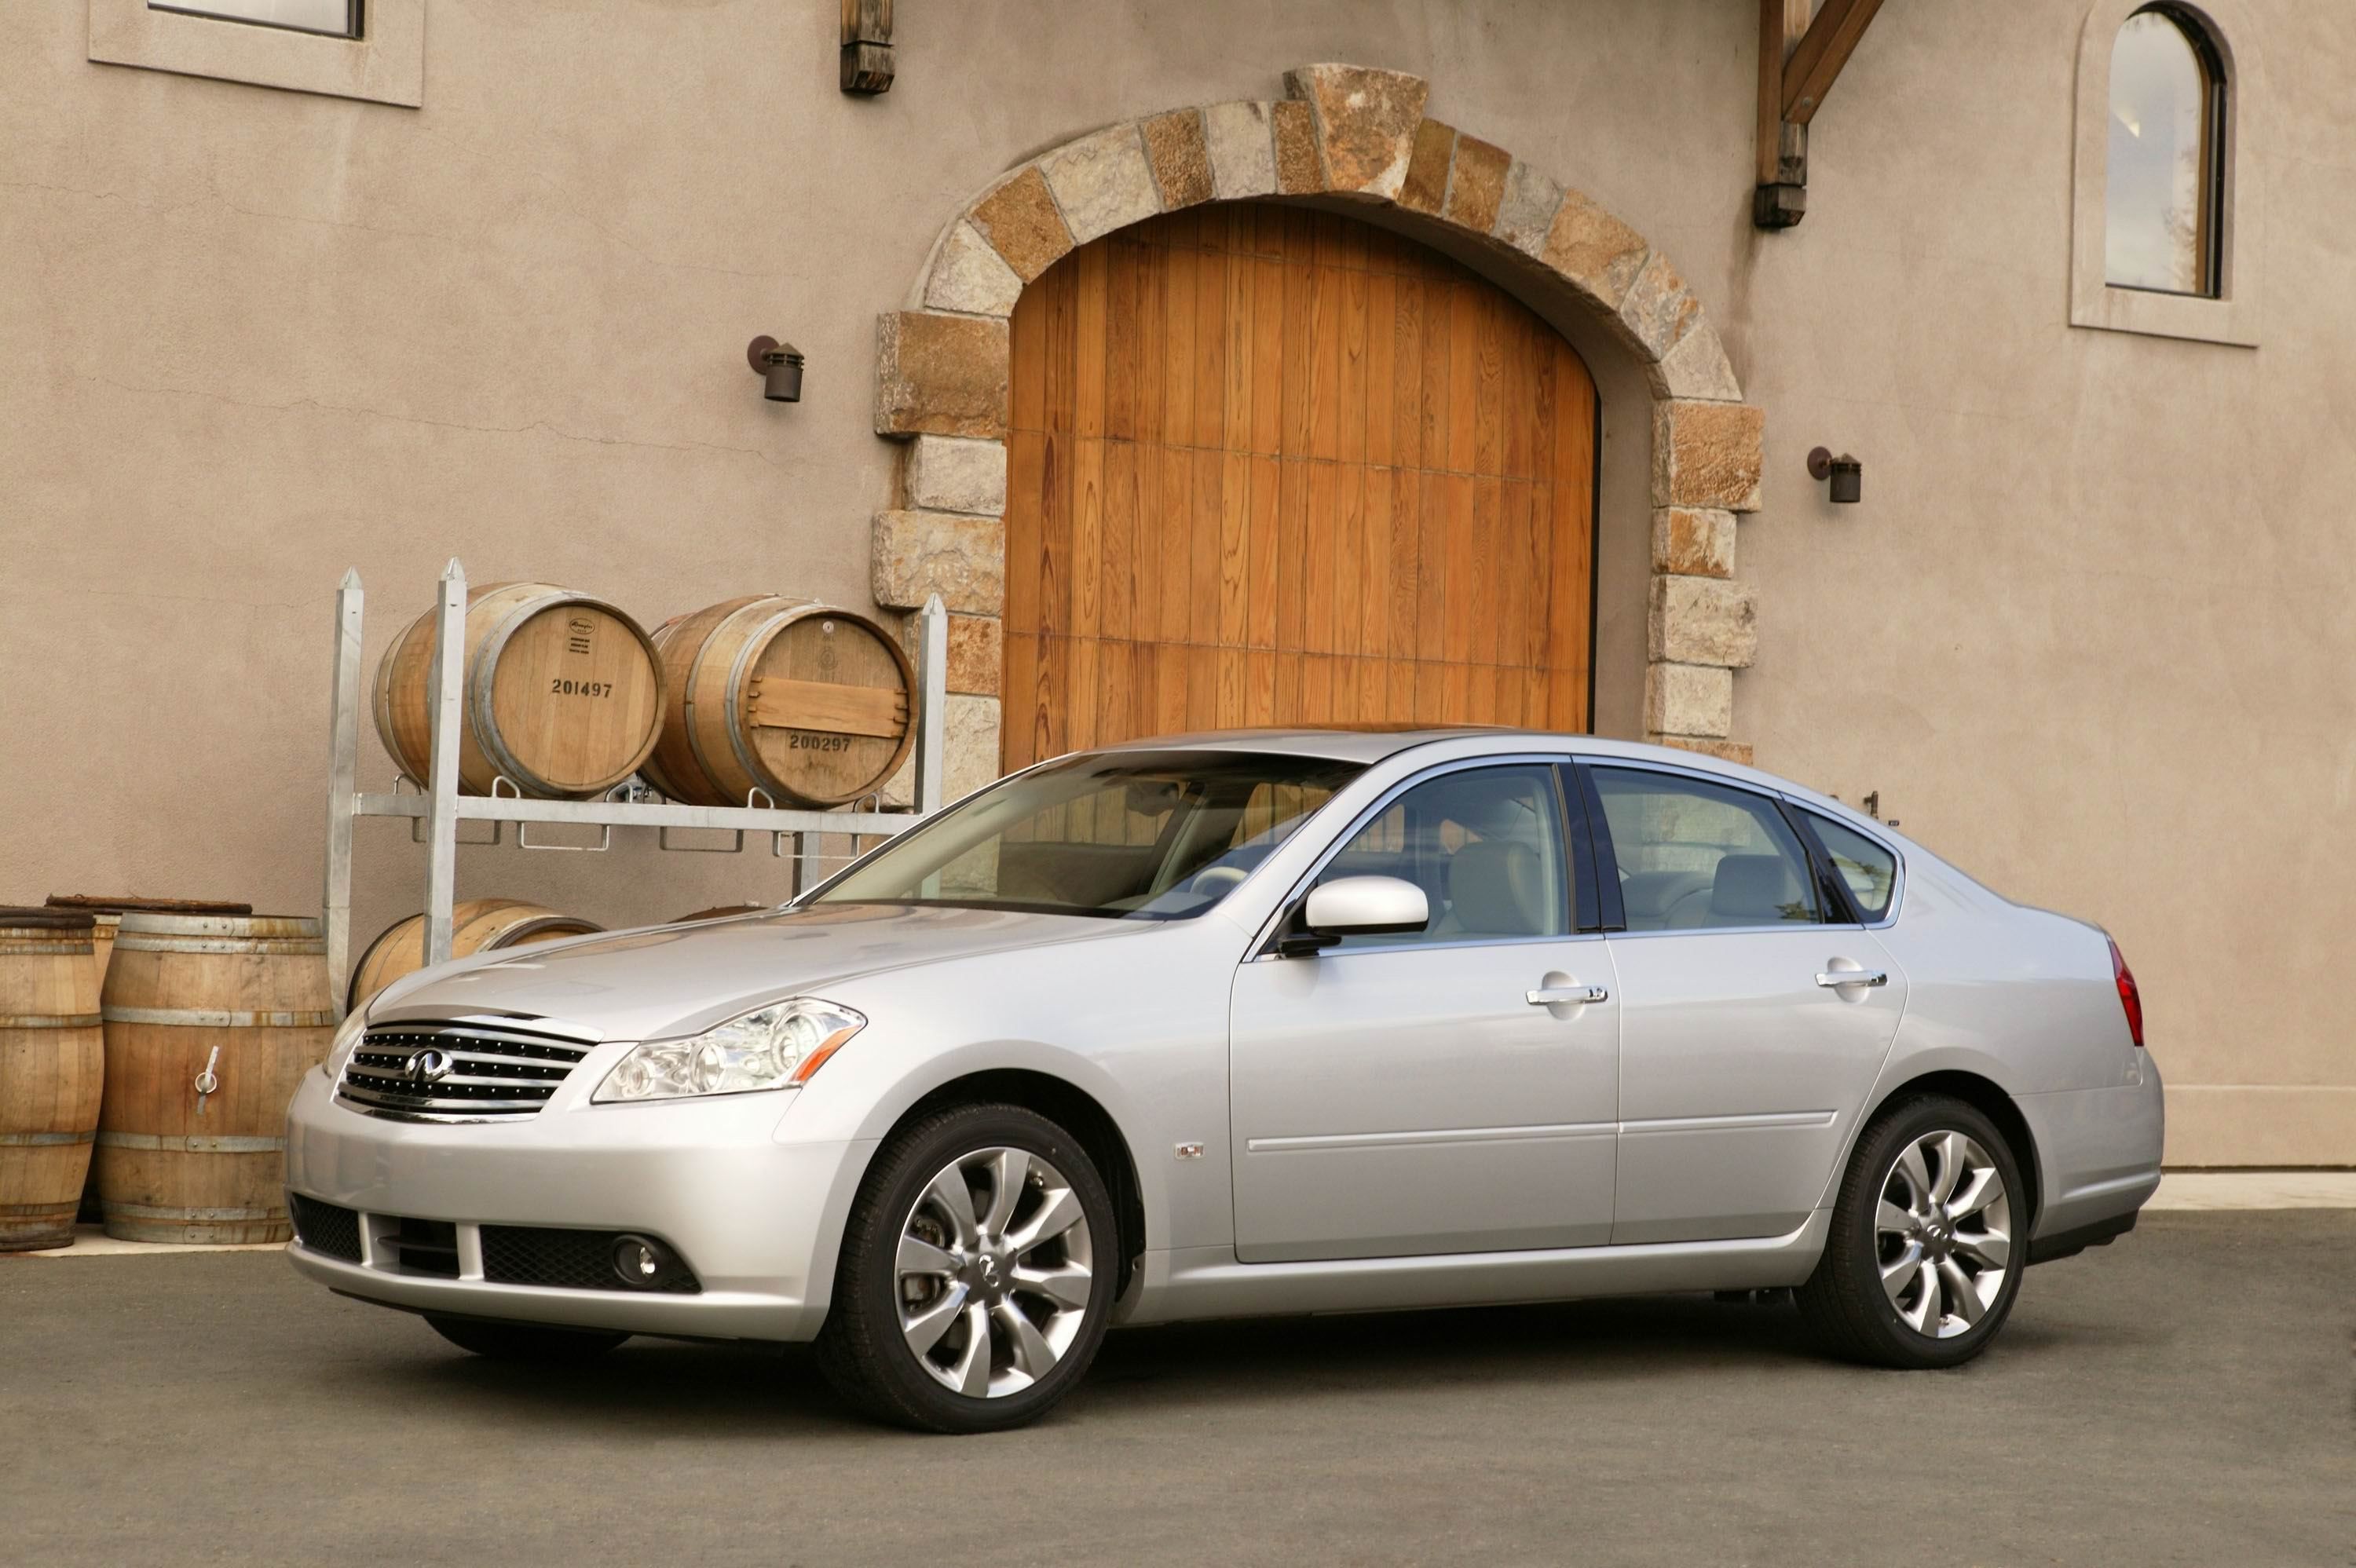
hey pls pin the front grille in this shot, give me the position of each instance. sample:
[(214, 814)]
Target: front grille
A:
[(568, 1260), (485, 1073), (324, 1228)]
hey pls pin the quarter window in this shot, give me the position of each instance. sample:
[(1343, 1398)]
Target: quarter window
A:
[(2167, 121), (1863, 867), (1696, 856), (1483, 844)]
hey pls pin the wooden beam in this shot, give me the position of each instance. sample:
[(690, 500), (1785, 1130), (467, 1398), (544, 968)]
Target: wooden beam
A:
[(1781, 25), (1815, 63)]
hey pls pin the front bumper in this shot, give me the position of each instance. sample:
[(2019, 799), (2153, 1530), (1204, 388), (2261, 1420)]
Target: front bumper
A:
[(758, 1220)]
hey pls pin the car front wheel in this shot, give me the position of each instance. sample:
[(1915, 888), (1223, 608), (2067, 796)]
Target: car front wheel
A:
[(976, 1274), (1927, 1242)]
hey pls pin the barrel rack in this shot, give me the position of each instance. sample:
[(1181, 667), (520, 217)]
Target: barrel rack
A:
[(435, 812)]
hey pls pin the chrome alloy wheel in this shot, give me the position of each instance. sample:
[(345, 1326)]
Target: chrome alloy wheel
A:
[(993, 1274), (1943, 1233)]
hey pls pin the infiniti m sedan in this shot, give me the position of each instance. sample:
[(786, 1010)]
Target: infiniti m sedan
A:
[(1244, 1024)]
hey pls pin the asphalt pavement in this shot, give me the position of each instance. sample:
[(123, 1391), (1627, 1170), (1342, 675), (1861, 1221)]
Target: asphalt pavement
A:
[(2182, 1397)]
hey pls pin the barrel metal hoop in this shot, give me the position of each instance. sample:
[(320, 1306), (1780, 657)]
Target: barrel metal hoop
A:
[(257, 946), (141, 1212), (39, 1211), (49, 1021), (205, 1017), (192, 1144), (18, 944), (43, 1140)]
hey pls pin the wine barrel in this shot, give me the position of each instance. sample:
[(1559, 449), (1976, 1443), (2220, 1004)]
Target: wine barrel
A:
[(51, 1070), (107, 910), (562, 693), (210, 1022), (721, 912), (476, 925), (806, 702)]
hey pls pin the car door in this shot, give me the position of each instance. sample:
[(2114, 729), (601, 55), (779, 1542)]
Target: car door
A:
[(1452, 1089), (1745, 1059)]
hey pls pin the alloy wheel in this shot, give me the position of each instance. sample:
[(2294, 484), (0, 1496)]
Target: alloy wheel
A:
[(1943, 1233), (994, 1269)]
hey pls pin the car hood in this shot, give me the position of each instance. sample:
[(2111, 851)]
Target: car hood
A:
[(673, 980)]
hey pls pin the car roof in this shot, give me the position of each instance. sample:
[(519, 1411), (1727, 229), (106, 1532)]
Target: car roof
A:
[(1374, 744)]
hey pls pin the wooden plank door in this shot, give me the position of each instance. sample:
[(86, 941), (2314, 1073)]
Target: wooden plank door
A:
[(1271, 466)]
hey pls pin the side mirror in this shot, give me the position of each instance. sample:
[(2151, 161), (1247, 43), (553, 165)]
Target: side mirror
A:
[(1355, 906)]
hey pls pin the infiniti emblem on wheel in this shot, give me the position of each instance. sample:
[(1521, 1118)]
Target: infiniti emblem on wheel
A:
[(988, 1269), (429, 1066)]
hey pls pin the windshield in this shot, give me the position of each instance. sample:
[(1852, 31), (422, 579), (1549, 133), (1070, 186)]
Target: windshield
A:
[(1119, 834)]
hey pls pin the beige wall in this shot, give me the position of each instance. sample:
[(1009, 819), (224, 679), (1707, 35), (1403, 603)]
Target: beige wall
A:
[(2087, 635)]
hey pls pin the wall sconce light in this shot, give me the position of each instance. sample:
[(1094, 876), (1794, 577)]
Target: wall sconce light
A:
[(780, 366), (1846, 474)]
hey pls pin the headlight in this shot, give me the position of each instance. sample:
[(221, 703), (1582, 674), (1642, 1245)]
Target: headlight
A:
[(777, 1047), (347, 1040)]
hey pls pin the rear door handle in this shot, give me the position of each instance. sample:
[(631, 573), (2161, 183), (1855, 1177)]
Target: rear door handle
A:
[(1854, 978), (1562, 995)]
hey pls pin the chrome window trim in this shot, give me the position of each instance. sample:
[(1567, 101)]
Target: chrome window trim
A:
[(1257, 952), (1646, 765)]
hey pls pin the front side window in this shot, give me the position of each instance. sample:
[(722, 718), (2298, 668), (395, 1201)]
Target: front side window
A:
[(1695, 856), (2162, 193), (1863, 867), (1116, 835), (1483, 844), (338, 19)]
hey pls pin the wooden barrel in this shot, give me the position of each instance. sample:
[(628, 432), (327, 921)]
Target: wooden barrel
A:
[(210, 1022), (476, 925), (808, 703), (107, 910), (51, 1070), (562, 693), (721, 912)]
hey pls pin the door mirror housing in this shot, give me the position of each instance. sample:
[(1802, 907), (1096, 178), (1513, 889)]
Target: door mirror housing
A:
[(1354, 906)]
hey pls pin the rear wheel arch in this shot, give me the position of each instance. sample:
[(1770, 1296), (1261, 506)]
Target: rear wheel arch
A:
[(1988, 1098), (1078, 1111)]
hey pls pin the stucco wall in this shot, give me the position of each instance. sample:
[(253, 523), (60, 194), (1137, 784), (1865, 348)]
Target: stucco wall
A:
[(2087, 635)]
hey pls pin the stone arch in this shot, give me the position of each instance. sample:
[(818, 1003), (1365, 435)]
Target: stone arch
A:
[(1348, 133)]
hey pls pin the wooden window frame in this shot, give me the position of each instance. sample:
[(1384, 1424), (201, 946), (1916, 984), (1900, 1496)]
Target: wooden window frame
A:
[(385, 65)]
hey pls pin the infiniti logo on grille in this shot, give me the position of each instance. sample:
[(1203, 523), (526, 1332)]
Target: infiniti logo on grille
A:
[(428, 1066)]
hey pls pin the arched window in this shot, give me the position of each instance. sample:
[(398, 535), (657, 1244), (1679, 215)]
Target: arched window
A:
[(2164, 191)]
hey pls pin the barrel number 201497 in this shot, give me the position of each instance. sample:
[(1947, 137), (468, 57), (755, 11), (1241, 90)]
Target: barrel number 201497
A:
[(560, 687)]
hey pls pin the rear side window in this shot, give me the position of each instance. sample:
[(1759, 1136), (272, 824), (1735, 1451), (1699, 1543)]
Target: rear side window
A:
[(1697, 856), (1864, 868)]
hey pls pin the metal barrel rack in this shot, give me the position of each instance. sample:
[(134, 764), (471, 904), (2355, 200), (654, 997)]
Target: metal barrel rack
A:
[(438, 808)]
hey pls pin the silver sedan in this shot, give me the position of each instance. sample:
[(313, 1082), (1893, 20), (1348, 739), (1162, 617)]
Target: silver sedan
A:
[(1244, 1024)]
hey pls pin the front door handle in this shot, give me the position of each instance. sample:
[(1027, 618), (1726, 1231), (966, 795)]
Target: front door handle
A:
[(1854, 978), (1562, 995)]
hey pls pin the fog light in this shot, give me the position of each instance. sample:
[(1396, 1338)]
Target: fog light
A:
[(643, 1265)]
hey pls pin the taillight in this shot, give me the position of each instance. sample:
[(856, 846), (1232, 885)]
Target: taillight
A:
[(2129, 997)]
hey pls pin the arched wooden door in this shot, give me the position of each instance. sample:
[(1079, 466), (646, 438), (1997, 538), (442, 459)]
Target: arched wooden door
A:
[(1276, 467)]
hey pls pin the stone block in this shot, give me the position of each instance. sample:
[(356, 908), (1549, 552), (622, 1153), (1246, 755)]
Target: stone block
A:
[(1181, 157), (1478, 186), (1102, 181), (1697, 369), (1243, 149), (1526, 214), (1724, 751), (945, 474), (1658, 309), (914, 555), (1688, 700), (969, 275), (1425, 189), (976, 654), (1594, 250), (969, 741), (1020, 220), (1701, 621), (1693, 542), (1367, 121), (942, 375), (1299, 170), (1706, 454)]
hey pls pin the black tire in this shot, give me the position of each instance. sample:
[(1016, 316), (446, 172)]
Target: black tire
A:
[(1843, 1302), (524, 1341), (861, 1349)]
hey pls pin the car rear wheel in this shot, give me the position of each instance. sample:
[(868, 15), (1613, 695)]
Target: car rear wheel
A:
[(1928, 1237), (524, 1341), (975, 1276)]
